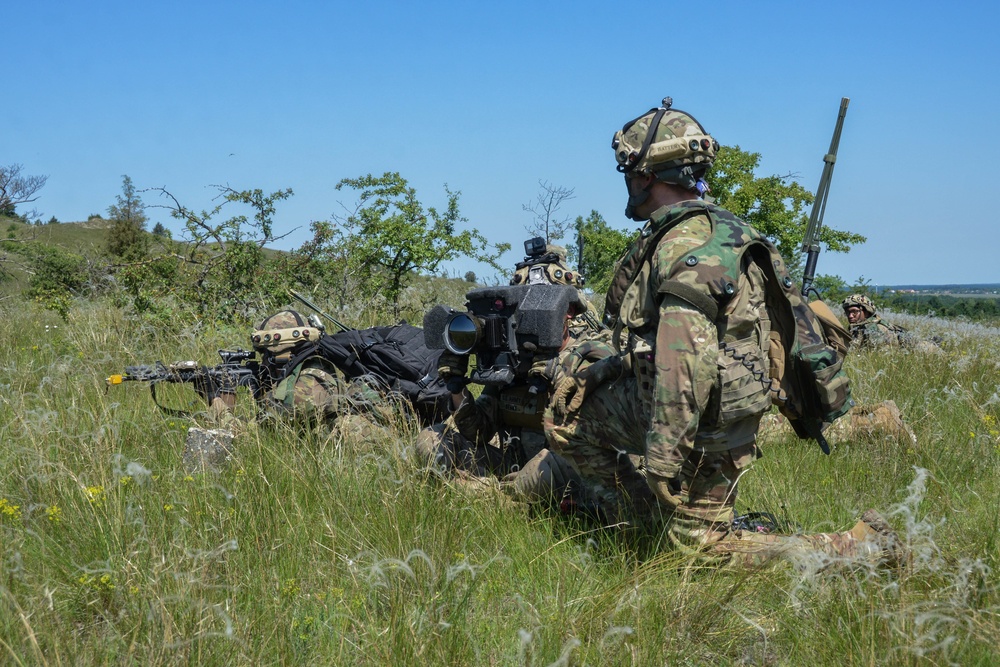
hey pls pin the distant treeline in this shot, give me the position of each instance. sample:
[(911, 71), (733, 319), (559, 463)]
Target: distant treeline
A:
[(943, 305)]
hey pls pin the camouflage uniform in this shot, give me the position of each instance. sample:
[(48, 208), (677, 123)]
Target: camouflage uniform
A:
[(314, 393), (697, 440), (870, 422), (311, 393), (499, 433), (873, 332), (493, 434)]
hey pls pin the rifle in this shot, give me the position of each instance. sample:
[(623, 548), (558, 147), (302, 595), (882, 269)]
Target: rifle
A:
[(238, 369), (810, 242)]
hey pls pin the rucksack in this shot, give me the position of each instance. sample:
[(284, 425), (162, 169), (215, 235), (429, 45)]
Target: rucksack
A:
[(807, 344), (395, 359)]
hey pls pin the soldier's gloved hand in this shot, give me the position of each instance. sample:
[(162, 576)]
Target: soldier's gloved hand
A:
[(666, 489), (452, 368), (570, 391)]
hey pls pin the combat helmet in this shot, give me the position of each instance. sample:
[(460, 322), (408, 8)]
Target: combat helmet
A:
[(280, 334), (862, 302), (545, 264), (667, 143)]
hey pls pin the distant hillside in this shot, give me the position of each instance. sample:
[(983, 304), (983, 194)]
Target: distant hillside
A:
[(954, 290)]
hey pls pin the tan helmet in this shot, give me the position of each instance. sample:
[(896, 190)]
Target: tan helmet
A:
[(663, 141), (862, 302), (281, 333), (545, 264)]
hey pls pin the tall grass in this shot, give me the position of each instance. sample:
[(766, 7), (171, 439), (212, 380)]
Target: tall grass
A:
[(317, 548)]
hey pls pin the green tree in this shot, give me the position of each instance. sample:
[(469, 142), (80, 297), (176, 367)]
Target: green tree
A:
[(160, 230), (228, 276), (127, 237), (774, 205), (390, 236), (602, 246)]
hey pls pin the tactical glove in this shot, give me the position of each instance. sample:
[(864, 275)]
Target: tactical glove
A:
[(452, 368), (666, 489), (570, 391)]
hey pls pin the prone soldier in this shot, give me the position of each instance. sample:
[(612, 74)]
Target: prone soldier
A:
[(869, 330)]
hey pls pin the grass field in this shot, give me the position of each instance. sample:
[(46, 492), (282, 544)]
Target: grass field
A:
[(313, 548)]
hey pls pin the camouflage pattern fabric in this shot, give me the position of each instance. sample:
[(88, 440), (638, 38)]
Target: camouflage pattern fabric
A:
[(873, 332), (668, 409), (493, 434), (315, 392), (864, 423)]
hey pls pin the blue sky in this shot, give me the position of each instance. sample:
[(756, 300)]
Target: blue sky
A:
[(491, 98)]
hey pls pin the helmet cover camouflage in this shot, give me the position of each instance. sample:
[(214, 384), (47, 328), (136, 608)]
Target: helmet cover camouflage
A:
[(548, 269), (861, 301), (282, 332), (662, 140)]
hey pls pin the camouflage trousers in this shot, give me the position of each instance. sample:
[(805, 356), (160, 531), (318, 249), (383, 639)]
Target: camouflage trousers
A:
[(603, 442), (444, 448), (869, 422)]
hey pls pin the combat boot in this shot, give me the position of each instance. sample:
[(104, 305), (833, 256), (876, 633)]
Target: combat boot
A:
[(876, 539)]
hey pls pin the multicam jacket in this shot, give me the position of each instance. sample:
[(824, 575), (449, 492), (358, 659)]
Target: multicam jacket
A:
[(675, 347), (315, 391), (873, 332)]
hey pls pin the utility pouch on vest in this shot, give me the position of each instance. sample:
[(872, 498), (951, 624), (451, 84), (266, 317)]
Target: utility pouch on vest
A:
[(741, 389), (519, 407), (820, 367)]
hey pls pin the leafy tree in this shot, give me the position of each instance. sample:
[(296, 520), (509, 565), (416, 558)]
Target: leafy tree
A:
[(470, 276), (602, 246), (127, 236), (774, 205), (160, 230), (228, 277), (389, 237), (53, 221), (547, 221)]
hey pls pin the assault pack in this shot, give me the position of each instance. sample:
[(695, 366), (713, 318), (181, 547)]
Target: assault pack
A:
[(394, 359), (806, 345)]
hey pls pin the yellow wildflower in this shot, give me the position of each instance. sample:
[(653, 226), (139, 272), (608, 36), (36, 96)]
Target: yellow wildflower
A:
[(95, 494), (290, 588), (8, 510), (54, 513)]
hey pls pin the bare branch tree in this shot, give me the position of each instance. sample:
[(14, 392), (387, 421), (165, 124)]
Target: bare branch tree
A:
[(17, 189), (547, 221)]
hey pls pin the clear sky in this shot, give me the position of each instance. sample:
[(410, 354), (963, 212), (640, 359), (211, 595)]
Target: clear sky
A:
[(491, 98)]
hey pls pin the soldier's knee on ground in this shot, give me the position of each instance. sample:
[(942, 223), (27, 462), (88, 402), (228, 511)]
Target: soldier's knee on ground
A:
[(432, 450), (546, 477)]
